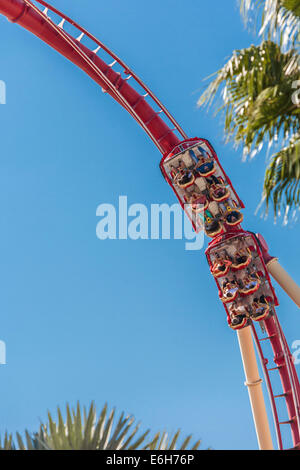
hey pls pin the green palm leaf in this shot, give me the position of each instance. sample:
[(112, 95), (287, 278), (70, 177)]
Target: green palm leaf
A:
[(88, 432), (282, 178), (257, 94), (256, 89), (279, 18)]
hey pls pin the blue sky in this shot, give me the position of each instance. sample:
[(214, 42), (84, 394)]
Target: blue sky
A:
[(135, 323)]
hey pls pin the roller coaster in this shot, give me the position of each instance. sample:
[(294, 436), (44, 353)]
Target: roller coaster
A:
[(238, 260)]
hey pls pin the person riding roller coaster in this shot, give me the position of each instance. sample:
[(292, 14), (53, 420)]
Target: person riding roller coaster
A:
[(221, 266), (230, 290), (260, 308), (249, 284), (212, 225), (238, 315), (232, 216), (217, 189), (242, 259), (205, 166), (219, 192), (199, 202), (174, 171), (181, 175), (210, 180)]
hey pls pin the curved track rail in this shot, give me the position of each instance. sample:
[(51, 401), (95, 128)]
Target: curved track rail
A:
[(160, 125), (166, 133)]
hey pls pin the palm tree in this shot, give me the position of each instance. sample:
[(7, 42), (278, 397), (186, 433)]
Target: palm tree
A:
[(82, 430), (260, 100)]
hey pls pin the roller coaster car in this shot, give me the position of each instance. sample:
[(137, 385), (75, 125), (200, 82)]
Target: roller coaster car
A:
[(245, 243), (194, 162)]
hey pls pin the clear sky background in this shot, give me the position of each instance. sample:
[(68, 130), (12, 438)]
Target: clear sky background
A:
[(134, 323)]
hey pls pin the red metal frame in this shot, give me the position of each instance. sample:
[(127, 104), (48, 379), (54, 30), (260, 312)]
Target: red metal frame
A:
[(282, 354), (28, 15), (200, 140), (264, 361), (227, 236), (288, 376), (178, 149)]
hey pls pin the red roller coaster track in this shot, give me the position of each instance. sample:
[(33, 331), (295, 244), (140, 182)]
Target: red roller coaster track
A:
[(166, 133), (26, 14)]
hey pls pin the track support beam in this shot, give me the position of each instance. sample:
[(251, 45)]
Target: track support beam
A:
[(284, 280), (254, 384)]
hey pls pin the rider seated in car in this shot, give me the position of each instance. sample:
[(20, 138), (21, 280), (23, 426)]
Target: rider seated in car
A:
[(205, 166), (238, 313), (199, 202), (221, 265), (212, 224), (212, 179), (232, 216), (260, 307), (249, 282), (185, 176), (229, 288), (242, 258), (174, 171), (181, 175), (218, 191)]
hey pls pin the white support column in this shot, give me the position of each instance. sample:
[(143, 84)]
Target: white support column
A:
[(284, 280), (253, 382)]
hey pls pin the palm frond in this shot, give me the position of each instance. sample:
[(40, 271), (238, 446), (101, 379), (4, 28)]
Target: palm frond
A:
[(255, 90), (280, 19), (82, 430), (281, 186), (256, 87)]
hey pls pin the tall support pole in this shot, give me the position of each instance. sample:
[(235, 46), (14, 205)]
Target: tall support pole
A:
[(284, 280), (280, 275), (254, 384)]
